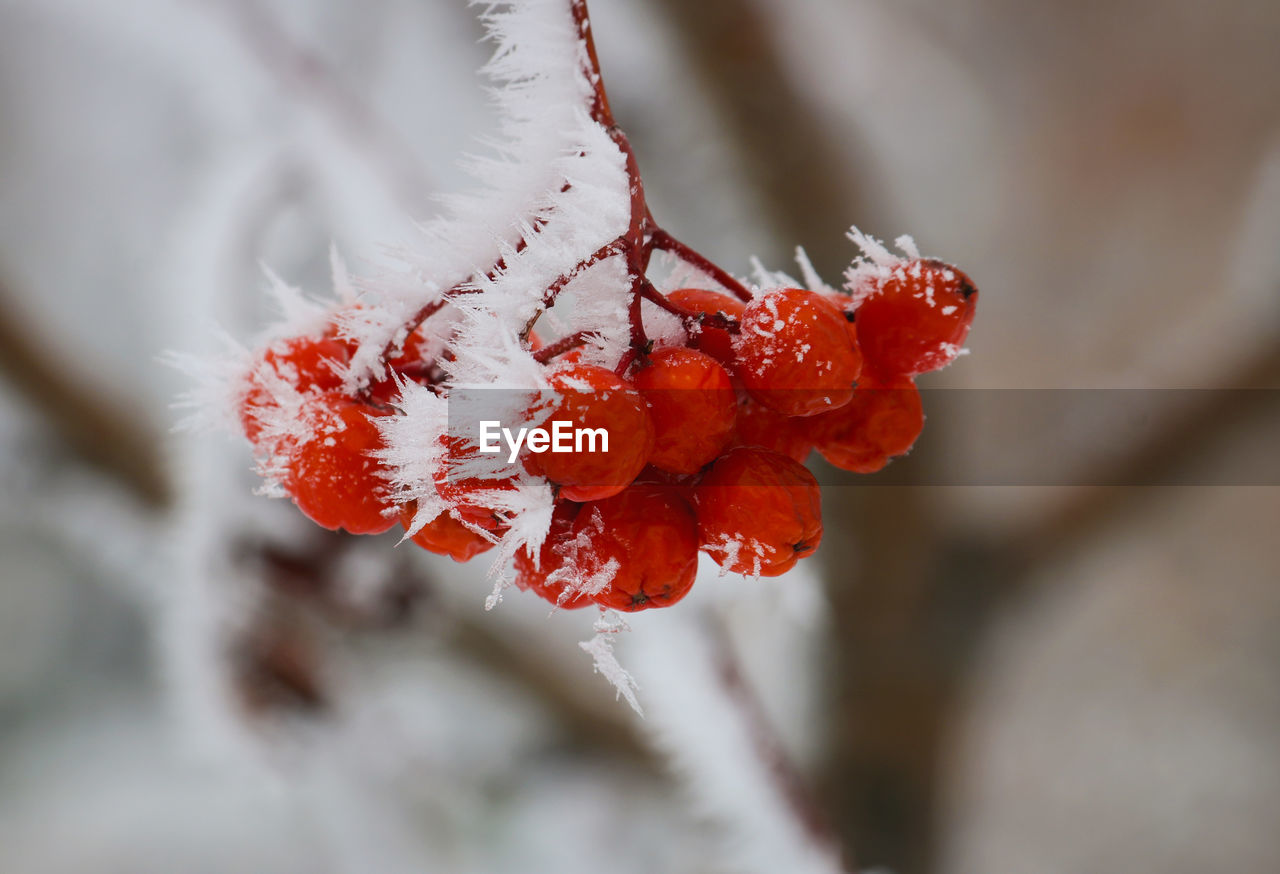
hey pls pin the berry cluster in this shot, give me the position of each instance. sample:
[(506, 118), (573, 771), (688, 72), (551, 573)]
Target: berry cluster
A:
[(708, 423), (707, 437)]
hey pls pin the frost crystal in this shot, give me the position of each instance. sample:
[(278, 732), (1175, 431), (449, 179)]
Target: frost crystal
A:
[(600, 647)]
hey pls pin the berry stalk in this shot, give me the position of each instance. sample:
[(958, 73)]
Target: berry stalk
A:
[(642, 237)]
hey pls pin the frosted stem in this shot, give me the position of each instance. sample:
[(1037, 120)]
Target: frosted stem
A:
[(790, 783)]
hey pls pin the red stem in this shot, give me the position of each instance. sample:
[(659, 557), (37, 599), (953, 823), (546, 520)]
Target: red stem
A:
[(465, 287), (608, 250), (632, 243), (600, 111), (637, 252), (660, 239), (689, 317), (563, 345)]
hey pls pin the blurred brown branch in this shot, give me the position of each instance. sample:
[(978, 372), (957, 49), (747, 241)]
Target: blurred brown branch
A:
[(307, 76), (790, 782), (97, 427), (887, 713), (100, 432), (812, 190), (1182, 441), (591, 718), (911, 597), (305, 581)]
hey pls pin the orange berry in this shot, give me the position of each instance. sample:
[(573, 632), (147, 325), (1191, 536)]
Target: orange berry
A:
[(645, 541), (692, 405), (758, 512), (547, 573), (333, 476), (795, 353), (918, 318), (758, 425), (445, 535), (592, 398), (716, 342)]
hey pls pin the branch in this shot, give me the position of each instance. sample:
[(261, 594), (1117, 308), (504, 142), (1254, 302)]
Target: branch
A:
[(688, 317), (599, 107), (563, 345), (306, 75), (99, 429), (660, 239), (607, 727), (1185, 437), (608, 250), (790, 783), (279, 661)]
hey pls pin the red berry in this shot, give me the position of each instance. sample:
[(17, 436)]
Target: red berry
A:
[(757, 425), (918, 318), (645, 542), (692, 405), (445, 535), (547, 573), (333, 476), (758, 512), (716, 342), (593, 398), (881, 422), (410, 364), (304, 363), (573, 356), (467, 481), (795, 353)]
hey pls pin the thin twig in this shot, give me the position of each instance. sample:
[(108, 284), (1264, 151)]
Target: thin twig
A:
[(1179, 443), (599, 108), (99, 428), (563, 345), (790, 783), (689, 317), (307, 76), (660, 239)]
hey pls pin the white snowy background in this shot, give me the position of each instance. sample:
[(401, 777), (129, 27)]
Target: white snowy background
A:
[(1110, 177)]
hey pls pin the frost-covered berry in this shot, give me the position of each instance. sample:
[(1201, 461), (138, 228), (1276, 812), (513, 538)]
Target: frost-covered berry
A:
[(692, 404), (410, 364), (445, 535), (469, 481), (758, 512), (645, 542), (301, 364), (917, 319), (334, 475), (592, 399), (548, 572), (795, 353), (716, 342)]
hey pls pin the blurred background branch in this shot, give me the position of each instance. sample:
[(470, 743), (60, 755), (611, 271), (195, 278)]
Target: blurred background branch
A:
[(311, 81), (1101, 172), (912, 594), (103, 431)]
